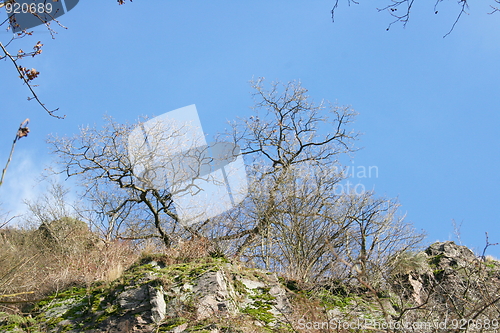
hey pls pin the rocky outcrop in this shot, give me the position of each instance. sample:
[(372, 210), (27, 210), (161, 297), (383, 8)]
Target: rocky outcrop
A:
[(446, 283), (178, 298), (450, 283), (426, 270), (448, 255)]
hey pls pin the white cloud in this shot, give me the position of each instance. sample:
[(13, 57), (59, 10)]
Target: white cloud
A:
[(23, 181)]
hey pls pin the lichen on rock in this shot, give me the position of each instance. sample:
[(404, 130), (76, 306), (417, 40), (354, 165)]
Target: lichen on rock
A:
[(152, 296)]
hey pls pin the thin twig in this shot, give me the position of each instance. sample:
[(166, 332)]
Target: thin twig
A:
[(17, 294), (464, 5), (23, 77), (488, 244), (494, 9), (21, 132), (8, 221)]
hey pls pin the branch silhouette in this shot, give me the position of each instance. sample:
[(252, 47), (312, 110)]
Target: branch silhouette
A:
[(22, 131)]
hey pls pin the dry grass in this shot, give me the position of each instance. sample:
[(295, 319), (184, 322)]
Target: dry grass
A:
[(183, 251), (31, 267), (491, 258)]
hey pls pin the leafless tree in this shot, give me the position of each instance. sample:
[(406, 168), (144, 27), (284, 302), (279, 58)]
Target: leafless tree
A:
[(293, 217), (304, 221), (292, 146), (375, 235), (51, 205), (287, 139), (119, 185)]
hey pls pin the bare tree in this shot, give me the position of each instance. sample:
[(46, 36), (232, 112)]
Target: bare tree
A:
[(293, 218), (52, 205), (292, 136), (292, 145), (304, 222), (128, 187), (375, 235)]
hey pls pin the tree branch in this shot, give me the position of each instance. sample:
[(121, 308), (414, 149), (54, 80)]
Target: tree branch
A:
[(26, 80)]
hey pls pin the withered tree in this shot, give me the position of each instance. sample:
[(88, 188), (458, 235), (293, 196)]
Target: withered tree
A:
[(294, 219), (291, 145), (377, 233), (125, 200)]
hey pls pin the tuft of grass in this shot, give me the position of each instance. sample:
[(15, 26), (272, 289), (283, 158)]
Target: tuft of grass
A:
[(30, 271)]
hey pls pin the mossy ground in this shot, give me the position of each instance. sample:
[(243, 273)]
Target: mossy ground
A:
[(82, 308)]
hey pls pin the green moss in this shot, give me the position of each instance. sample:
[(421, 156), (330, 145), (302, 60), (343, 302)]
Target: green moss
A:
[(41, 304), (435, 260), (262, 294), (15, 321), (54, 321), (187, 272), (172, 323), (9, 327), (330, 300), (90, 306), (261, 312), (239, 287), (261, 306), (76, 311), (55, 300), (438, 273)]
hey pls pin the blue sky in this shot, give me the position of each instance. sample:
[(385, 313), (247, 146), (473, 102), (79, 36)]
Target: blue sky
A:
[(428, 106)]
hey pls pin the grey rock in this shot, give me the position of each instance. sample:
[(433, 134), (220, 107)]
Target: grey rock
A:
[(158, 305), (155, 297), (135, 299), (215, 294), (451, 254)]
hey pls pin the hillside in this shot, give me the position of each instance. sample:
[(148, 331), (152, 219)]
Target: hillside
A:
[(442, 289)]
